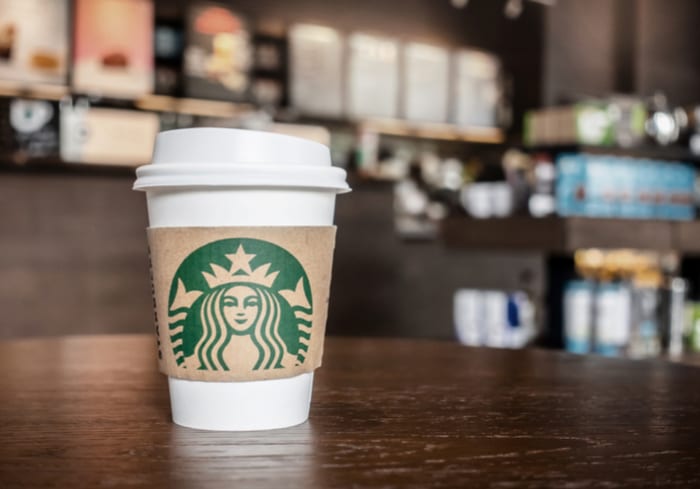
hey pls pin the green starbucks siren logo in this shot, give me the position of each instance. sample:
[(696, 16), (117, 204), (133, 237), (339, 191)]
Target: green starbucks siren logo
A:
[(239, 299)]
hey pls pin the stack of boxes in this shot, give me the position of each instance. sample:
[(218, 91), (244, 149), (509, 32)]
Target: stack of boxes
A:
[(611, 186), (617, 121)]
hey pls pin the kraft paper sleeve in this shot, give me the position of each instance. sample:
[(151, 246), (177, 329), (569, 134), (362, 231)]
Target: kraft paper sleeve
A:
[(240, 303)]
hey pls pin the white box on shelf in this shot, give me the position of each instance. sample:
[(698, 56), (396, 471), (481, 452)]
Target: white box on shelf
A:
[(316, 70), (34, 41), (478, 89), (426, 82), (107, 136), (373, 76)]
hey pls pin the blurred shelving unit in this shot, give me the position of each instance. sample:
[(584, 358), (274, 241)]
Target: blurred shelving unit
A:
[(430, 130), (673, 152), (289, 123), (223, 109), (10, 88), (565, 235), (55, 165), (154, 103), (558, 238), (193, 106)]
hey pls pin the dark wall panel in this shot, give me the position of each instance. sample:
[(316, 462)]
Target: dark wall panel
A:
[(598, 47), (74, 260), (73, 256), (579, 50), (668, 50)]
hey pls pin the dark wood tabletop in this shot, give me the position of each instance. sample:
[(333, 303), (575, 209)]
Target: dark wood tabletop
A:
[(89, 412)]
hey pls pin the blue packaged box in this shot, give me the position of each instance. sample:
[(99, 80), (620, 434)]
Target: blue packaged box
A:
[(684, 187), (610, 186), (662, 174), (676, 196), (644, 183), (627, 207), (600, 193), (571, 185)]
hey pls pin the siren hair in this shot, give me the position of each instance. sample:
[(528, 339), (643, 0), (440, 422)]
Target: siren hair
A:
[(216, 333)]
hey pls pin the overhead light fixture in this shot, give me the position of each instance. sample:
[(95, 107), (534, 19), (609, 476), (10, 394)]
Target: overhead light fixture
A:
[(513, 9)]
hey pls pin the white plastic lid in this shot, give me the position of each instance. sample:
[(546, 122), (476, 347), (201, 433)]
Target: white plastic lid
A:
[(219, 157)]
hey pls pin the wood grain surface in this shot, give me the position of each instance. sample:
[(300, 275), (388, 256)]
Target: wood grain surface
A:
[(88, 412)]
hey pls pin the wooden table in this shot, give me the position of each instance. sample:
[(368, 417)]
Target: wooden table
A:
[(93, 412)]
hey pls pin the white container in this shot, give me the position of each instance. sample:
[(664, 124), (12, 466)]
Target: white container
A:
[(229, 177), (501, 199), (476, 200)]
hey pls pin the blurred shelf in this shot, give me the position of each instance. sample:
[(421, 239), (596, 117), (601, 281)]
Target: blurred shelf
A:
[(193, 106), (690, 358), (228, 110), (403, 128), (687, 236), (54, 165), (10, 88), (432, 130), (567, 234), (673, 152), (156, 103)]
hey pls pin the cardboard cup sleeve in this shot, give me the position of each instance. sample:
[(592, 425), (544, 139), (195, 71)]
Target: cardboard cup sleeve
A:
[(240, 303)]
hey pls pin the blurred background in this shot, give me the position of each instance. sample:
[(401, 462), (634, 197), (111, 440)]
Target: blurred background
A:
[(524, 171)]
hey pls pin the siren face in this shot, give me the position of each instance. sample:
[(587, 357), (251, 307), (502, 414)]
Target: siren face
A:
[(240, 307)]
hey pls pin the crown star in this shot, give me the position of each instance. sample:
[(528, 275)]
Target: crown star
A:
[(240, 261)]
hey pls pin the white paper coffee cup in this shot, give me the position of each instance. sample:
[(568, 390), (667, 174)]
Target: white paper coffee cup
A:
[(212, 177)]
